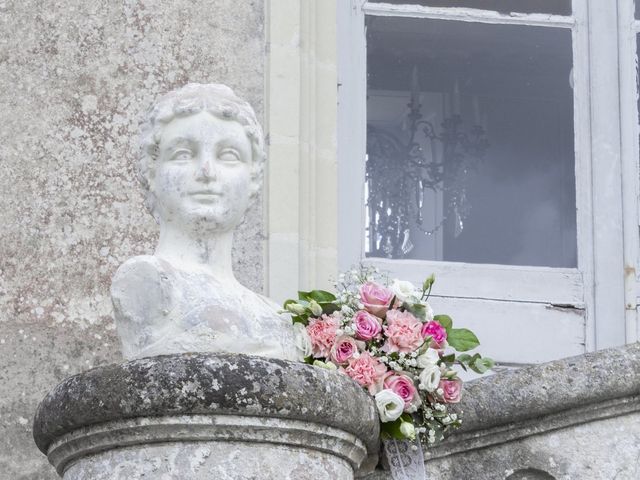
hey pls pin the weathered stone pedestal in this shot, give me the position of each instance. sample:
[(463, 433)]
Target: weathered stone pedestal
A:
[(207, 416)]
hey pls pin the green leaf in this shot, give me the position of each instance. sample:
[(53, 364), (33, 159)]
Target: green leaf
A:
[(449, 358), (320, 296), (462, 339), (464, 358), (417, 309), (288, 302), (428, 283), (329, 308), (392, 429), (303, 319), (482, 365), (445, 321)]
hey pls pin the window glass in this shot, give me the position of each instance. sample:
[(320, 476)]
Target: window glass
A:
[(637, 9), (555, 7), (470, 152)]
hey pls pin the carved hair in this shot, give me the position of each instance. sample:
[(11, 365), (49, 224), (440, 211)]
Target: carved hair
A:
[(216, 99)]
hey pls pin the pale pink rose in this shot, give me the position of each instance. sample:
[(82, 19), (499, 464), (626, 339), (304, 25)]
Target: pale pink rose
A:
[(436, 331), (375, 298), (343, 349), (322, 332), (402, 386), (367, 371), (451, 390), (403, 332), (367, 326)]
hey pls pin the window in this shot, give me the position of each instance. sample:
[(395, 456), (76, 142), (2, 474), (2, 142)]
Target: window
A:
[(470, 154), (527, 214)]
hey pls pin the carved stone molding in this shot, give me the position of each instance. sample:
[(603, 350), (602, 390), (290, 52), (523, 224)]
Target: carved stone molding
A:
[(198, 416)]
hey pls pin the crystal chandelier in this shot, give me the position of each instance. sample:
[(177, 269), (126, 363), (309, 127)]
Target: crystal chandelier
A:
[(400, 170)]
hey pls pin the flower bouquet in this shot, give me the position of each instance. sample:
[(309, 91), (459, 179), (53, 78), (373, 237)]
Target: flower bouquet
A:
[(384, 335)]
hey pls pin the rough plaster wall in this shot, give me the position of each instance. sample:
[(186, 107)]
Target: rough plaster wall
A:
[(75, 76)]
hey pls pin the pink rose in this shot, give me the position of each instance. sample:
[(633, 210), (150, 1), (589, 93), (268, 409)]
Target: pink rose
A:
[(376, 298), (402, 386), (437, 333), (322, 332), (367, 371), (451, 390), (343, 349), (367, 326), (403, 332)]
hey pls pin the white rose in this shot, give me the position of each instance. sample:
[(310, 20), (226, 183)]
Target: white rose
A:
[(315, 307), (390, 405), (302, 339), (327, 365), (296, 308), (428, 311), (403, 290), (408, 430), (428, 358), (429, 378)]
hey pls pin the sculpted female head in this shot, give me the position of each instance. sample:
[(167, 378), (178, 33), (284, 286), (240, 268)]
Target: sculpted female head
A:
[(202, 157)]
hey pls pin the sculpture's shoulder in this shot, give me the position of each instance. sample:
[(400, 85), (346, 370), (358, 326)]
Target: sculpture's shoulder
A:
[(141, 288), (142, 297), (141, 267)]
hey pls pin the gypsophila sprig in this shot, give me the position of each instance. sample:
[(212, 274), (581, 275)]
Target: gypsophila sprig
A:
[(383, 334)]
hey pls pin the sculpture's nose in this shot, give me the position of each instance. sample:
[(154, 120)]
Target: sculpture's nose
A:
[(206, 170)]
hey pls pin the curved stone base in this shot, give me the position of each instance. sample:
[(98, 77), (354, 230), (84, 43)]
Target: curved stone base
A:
[(210, 460), (207, 416), (202, 446)]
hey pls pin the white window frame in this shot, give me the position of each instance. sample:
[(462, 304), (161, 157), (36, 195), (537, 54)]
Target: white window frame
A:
[(630, 130), (573, 310)]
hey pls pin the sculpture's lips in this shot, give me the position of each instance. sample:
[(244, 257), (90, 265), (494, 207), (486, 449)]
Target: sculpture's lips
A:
[(205, 195)]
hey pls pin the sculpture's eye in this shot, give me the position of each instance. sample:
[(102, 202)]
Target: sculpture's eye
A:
[(229, 155), (182, 155)]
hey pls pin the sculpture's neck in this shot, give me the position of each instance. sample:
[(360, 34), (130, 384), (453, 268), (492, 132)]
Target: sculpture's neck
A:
[(187, 251)]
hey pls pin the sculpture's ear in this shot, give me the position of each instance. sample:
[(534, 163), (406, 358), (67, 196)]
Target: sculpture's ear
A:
[(142, 299), (254, 189)]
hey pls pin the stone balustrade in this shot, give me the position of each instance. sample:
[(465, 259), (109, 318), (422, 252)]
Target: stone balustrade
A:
[(575, 418), (203, 416)]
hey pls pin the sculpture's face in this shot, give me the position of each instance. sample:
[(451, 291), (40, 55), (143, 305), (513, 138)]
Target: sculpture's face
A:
[(203, 176)]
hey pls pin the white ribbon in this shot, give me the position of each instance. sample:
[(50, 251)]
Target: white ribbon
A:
[(405, 458)]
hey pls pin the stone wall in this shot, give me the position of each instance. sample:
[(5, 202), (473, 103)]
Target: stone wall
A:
[(75, 76)]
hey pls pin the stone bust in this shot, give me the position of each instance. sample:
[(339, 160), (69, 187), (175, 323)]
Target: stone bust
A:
[(201, 164)]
